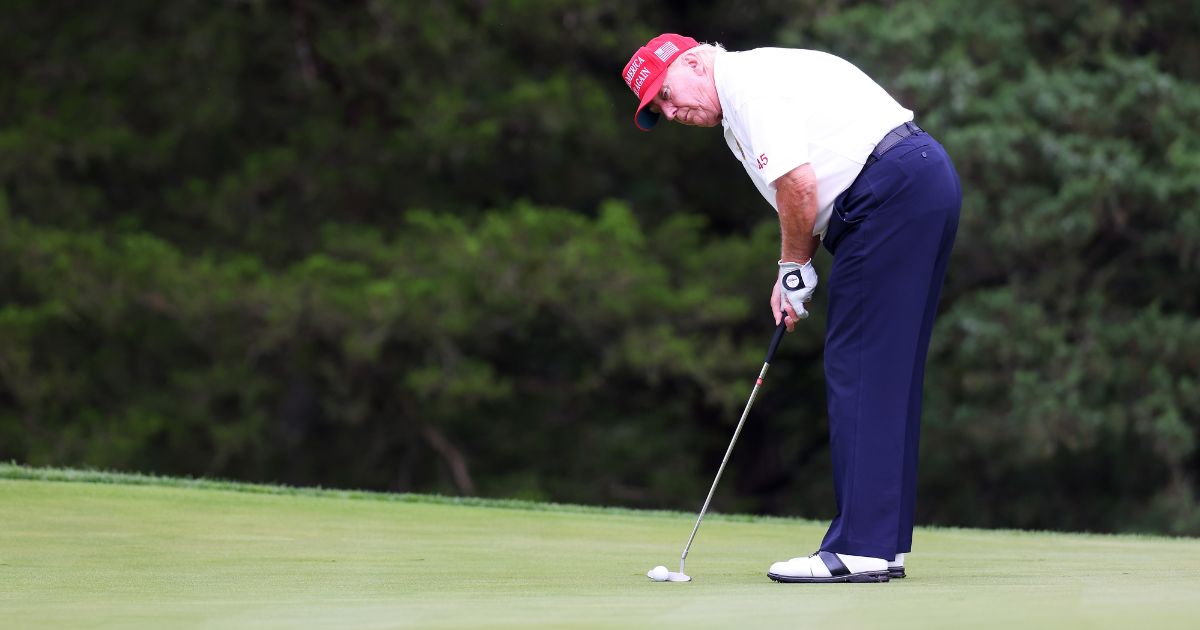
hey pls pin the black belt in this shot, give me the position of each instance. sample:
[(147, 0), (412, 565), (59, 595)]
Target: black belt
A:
[(890, 140)]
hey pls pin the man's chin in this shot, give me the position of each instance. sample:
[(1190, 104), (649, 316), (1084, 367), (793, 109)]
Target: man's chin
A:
[(701, 123)]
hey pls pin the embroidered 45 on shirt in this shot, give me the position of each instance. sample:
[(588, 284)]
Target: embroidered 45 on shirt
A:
[(761, 161)]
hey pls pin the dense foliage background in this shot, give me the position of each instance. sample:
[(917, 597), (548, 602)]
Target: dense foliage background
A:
[(419, 246)]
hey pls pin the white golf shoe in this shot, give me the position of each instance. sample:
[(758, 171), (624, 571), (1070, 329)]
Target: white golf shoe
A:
[(896, 567), (824, 567)]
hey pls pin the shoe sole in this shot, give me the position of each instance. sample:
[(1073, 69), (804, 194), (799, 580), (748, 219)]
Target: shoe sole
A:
[(859, 578), (896, 574)]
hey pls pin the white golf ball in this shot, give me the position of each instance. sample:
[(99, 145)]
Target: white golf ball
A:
[(658, 574)]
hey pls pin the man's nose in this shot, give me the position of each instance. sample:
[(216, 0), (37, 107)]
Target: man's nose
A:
[(668, 110)]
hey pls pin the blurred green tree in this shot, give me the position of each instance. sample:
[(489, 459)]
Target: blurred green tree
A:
[(419, 246)]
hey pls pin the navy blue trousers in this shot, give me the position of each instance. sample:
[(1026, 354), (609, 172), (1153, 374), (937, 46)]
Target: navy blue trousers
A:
[(890, 235)]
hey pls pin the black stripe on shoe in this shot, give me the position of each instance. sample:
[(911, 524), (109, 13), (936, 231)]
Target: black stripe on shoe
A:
[(832, 562), (896, 572)]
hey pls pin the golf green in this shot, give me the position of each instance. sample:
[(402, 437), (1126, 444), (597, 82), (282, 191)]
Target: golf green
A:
[(95, 550)]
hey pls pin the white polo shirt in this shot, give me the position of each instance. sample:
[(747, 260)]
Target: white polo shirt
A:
[(784, 107)]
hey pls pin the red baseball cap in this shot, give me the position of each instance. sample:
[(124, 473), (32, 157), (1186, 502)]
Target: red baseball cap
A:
[(647, 68)]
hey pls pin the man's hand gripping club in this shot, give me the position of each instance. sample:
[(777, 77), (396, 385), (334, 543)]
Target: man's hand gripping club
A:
[(796, 200), (794, 288)]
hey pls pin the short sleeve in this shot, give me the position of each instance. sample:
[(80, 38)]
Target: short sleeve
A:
[(777, 132)]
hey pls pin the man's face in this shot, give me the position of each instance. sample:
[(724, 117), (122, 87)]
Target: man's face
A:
[(688, 95)]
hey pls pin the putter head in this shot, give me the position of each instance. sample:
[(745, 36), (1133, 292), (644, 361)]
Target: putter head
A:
[(672, 576)]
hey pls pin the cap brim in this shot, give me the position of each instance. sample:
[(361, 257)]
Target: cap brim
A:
[(645, 119)]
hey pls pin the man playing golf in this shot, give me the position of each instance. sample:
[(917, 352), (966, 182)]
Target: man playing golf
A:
[(843, 164)]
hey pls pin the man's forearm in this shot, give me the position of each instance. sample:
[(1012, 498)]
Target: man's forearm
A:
[(796, 199)]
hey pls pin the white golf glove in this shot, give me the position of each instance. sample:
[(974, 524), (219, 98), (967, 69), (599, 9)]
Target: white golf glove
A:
[(796, 284)]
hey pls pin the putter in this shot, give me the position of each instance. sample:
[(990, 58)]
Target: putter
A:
[(683, 576)]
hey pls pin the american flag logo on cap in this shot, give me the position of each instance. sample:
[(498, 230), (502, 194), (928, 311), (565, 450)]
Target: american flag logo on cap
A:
[(666, 50)]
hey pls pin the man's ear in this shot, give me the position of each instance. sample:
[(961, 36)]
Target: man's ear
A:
[(692, 60)]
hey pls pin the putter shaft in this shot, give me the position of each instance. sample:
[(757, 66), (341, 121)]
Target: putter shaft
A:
[(779, 330)]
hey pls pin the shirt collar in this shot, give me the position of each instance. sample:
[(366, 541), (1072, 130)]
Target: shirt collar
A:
[(717, 65)]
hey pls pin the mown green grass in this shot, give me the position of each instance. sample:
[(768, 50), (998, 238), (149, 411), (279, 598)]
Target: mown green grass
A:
[(95, 550)]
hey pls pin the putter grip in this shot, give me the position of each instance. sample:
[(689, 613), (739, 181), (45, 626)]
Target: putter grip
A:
[(779, 330)]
